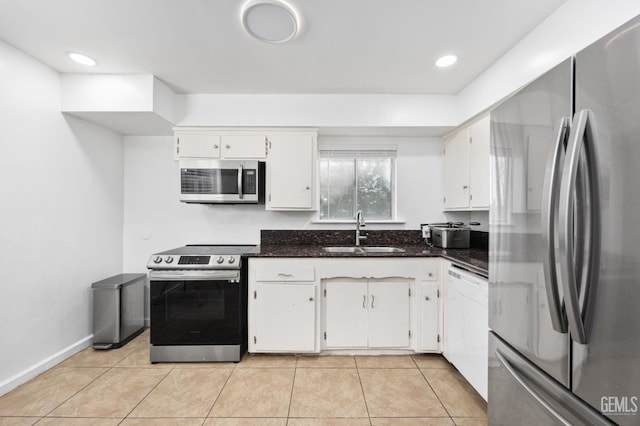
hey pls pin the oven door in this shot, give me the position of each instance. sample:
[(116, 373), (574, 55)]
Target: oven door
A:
[(196, 308)]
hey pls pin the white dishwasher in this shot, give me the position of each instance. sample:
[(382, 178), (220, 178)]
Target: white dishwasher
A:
[(467, 326)]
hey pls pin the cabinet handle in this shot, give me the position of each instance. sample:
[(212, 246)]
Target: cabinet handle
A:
[(215, 147), (227, 146), (282, 274), (426, 298), (308, 188), (364, 299), (311, 299), (373, 299), (463, 186)]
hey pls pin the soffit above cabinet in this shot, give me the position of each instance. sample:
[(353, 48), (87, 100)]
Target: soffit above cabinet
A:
[(129, 104)]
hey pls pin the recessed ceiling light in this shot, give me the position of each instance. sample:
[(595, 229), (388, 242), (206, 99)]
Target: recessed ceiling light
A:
[(446, 61), (271, 21), (82, 59)]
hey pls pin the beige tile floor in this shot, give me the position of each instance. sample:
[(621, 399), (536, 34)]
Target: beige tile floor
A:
[(121, 387)]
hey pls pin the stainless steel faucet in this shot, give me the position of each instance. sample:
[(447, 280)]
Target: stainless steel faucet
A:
[(359, 223)]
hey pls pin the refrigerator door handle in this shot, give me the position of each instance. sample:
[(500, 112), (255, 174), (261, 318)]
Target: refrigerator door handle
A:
[(549, 206), (522, 381), (566, 235)]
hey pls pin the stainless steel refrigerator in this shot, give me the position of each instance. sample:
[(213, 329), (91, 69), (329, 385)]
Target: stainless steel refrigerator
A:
[(564, 264)]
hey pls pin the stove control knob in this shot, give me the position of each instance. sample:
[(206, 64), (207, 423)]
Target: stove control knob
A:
[(157, 259), (169, 259), (231, 259), (220, 259)]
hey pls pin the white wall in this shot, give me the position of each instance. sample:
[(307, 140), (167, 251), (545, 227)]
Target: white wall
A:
[(61, 219), (318, 110), (154, 219), (574, 26)]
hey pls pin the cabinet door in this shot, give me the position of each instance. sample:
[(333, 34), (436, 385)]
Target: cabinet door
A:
[(388, 314), (429, 317), (479, 164), (286, 316), (291, 171), (456, 171), (203, 145), (346, 317), (244, 145)]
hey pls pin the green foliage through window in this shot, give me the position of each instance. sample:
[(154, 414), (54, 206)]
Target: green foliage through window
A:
[(356, 180)]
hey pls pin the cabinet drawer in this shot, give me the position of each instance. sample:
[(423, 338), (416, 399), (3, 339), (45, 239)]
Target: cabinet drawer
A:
[(430, 271), (284, 272)]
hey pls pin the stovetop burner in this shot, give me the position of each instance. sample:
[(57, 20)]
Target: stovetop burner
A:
[(200, 256)]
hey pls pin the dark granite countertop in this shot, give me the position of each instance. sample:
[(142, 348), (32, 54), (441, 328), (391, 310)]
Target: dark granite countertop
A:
[(310, 243)]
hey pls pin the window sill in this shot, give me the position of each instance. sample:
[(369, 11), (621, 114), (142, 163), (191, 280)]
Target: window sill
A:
[(353, 222)]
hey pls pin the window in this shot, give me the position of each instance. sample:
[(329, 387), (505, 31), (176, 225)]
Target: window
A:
[(357, 180)]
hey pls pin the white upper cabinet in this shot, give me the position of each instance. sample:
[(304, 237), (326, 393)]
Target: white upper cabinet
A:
[(480, 139), (198, 145), (211, 143), (252, 145), (456, 170), (466, 167), (291, 171)]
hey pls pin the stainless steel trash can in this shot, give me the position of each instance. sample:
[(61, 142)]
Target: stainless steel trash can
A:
[(118, 310)]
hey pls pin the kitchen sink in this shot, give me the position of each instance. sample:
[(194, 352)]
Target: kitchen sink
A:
[(382, 249), (343, 249), (363, 249)]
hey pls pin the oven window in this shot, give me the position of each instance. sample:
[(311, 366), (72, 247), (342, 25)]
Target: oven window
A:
[(195, 312)]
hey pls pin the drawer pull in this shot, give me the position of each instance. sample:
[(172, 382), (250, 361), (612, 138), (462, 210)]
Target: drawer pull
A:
[(284, 274)]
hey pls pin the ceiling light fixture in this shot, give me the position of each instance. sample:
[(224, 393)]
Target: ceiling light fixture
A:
[(446, 61), (82, 59), (270, 21)]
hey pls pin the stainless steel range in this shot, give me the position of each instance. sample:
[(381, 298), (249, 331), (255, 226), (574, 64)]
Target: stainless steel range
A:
[(198, 303)]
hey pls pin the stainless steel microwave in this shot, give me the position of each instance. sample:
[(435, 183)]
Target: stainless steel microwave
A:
[(222, 181)]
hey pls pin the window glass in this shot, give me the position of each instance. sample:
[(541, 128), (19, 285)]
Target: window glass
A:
[(352, 181)]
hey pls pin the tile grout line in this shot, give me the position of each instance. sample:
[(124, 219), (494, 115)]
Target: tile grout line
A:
[(364, 397), (293, 384), (148, 393), (235, 367), (78, 391), (435, 393)]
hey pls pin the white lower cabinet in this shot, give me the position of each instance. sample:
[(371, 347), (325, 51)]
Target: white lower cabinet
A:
[(366, 314), (286, 317), (307, 305), (346, 315), (429, 315), (282, 309)]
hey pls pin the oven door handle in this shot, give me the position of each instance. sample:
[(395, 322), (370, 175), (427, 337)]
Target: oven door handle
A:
[(195, 275)]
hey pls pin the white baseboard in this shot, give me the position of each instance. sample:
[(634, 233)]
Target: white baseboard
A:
[(42, 366)]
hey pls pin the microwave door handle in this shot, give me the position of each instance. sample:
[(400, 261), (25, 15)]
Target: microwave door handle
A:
[(240, 169)]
